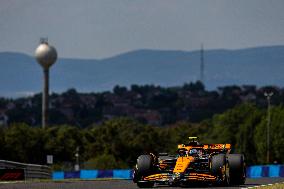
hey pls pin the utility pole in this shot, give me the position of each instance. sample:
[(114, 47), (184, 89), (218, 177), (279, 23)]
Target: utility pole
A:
[(268, 97), (77, 155), (202, 64)]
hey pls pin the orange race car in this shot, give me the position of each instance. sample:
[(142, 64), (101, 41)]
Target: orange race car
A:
[(194, 162)]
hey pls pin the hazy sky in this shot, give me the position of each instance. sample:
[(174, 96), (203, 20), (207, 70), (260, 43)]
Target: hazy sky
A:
[(102, 28)]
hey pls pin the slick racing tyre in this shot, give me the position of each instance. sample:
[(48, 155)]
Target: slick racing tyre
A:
[(144, 167), (237, 169), (144, 164), (220, 168)]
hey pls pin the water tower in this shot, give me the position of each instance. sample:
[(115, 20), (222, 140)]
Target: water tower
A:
[(46, 56)]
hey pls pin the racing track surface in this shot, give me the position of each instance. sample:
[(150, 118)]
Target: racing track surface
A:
[(118, 184)]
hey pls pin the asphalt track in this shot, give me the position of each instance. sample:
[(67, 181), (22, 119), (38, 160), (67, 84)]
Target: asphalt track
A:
[(119, 184)]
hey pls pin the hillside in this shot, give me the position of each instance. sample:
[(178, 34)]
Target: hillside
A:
[(20, 74)]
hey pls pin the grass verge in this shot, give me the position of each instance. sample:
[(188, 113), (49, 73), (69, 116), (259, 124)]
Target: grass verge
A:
[(272, 186)]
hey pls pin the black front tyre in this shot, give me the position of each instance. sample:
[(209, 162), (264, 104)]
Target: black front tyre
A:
[(144, 167)]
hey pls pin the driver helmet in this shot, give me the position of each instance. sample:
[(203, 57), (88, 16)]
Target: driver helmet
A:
[(192, 152)]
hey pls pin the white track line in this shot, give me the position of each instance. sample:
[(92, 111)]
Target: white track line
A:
[(11, 182)]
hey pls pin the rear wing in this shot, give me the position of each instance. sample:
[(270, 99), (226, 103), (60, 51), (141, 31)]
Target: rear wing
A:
[(212, 148), (208, 147), (193, 143), (217, 146)]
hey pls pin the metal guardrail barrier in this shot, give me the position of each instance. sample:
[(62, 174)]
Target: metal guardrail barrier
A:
[(32, 171)]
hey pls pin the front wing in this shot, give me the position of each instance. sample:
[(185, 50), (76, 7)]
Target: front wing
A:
[(169, 177)]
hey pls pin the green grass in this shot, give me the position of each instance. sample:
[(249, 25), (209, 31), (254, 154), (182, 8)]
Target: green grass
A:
[(274, 186)]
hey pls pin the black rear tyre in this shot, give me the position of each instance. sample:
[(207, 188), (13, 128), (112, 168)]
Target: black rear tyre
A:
[(237, 169), (220, 168)]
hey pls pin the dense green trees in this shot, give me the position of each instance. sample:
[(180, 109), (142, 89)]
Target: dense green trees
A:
[(276, 136), (245, 128), (118, 142)]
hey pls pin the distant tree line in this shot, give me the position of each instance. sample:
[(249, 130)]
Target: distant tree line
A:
[(118, 142), (148, 104)]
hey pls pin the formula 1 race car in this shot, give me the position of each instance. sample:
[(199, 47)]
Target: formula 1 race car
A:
[(194, 162)]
